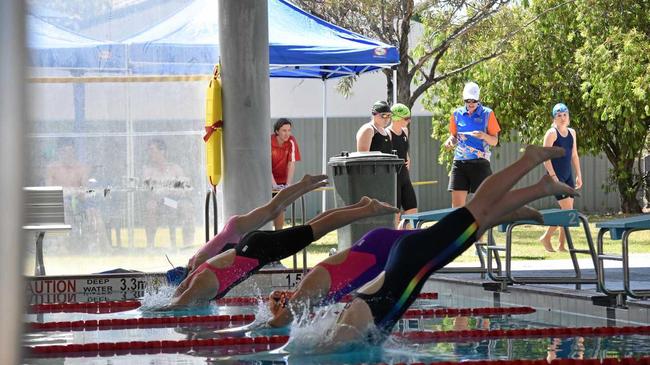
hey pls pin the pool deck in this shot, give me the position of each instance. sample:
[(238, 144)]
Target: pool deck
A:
[(557, 298)]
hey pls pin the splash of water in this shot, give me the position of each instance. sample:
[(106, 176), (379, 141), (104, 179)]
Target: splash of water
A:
[(156, 298), (311, 333)]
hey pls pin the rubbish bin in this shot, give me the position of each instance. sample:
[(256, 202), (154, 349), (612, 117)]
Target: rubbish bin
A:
[(373, 174)]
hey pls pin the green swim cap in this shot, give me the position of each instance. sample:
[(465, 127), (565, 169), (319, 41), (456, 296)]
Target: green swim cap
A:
[(400, 111)]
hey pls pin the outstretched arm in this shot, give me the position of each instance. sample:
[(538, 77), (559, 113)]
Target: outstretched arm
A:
[(575, 160), (549, 139)]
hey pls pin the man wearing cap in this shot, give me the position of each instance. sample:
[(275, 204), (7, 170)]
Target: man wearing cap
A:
[(560, 169), (373, 136), (406, 199), (473, 129)]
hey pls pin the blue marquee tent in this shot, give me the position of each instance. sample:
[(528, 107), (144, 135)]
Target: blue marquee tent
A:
[(53, 47), (300, 45)]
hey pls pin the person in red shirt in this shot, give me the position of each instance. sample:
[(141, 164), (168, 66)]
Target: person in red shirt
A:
[(284, 154)]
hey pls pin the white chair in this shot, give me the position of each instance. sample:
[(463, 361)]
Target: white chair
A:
[(44, 212)]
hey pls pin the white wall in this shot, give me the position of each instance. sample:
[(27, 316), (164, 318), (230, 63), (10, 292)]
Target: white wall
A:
[(303, 98)]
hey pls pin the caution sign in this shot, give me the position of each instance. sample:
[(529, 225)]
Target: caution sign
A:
[(91, 288)]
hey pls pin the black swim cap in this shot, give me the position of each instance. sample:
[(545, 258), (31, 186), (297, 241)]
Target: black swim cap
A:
[(380, 107)]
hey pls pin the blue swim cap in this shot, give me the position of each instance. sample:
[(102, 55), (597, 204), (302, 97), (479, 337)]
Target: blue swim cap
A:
[(559, 108), (176, 275)]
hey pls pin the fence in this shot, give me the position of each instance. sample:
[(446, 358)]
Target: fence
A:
[(424, 154)]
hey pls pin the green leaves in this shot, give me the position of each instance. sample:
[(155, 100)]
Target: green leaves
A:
[(593, 55)]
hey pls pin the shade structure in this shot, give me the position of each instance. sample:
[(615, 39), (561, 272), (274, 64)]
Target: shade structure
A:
[(187, 43), (300, 45), (53, 47)]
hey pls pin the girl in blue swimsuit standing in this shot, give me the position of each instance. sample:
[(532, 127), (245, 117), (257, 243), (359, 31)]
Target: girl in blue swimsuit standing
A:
[(561, 169)]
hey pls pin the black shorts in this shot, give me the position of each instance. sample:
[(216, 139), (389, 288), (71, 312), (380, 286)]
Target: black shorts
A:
[(467, 175), (269, 246), (567, 180), (405, 193)]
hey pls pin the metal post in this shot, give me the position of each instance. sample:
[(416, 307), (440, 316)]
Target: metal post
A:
[(39, 268), (394, 85), (324, 166), (244, 50), (304, 220), (13, 121)]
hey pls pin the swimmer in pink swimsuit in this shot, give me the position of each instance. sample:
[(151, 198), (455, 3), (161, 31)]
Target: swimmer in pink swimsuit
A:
[(215, 277), (239, 225)]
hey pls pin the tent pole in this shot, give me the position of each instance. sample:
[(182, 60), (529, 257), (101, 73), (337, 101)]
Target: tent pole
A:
[(324, 167), (394, 85)]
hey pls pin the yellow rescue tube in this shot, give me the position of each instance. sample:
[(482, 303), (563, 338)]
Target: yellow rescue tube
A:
[(214, 128)]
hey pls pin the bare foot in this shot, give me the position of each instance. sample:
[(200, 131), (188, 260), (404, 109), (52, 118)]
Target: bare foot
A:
[(540, 154), (364, 200), (562, 249), (547, 244), (318, 184), (381, 208), (313, 179), (553, 187)]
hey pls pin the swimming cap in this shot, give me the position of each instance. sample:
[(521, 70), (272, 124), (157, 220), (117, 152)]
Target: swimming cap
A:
[(400, 111), (176, 275), (559, 108), (380, 107)]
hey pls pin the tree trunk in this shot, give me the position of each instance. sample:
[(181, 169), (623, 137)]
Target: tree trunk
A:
[(628, 187), (389, 85), (403, 85)]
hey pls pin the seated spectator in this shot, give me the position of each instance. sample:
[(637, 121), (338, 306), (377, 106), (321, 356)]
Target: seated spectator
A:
[(167, 196)]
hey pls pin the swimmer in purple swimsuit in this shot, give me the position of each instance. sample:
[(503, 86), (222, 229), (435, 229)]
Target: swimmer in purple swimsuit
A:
[(216, 276), (337, 276)]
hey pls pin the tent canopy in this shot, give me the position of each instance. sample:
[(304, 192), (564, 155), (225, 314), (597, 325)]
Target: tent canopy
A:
[(300, 45), (52, 46)]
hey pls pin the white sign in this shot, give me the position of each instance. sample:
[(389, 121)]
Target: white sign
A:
[(90, 289), (285, 280)]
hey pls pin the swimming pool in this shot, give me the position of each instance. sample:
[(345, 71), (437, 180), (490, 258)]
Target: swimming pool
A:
[(178, 338)]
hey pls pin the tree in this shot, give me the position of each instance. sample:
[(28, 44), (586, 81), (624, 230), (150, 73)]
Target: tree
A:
[(592, 55), (445, 23)]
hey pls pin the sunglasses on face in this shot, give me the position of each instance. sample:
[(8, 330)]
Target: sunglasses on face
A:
[(471, 101)]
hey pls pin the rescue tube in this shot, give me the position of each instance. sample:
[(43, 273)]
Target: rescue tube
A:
[(214, 128)]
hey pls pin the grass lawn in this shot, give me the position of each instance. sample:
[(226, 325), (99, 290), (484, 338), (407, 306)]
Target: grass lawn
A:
[(526, 245), (92, 257)]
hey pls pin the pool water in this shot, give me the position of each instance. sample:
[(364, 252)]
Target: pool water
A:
[(395, 350)]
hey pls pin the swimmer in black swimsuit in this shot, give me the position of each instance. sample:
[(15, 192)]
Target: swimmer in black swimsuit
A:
[(216, 276), (416, 256)]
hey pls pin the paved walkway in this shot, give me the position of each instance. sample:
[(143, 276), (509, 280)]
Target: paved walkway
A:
[(639, 271)]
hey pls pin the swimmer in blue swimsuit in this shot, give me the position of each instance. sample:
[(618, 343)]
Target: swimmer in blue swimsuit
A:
[(561, 169), (414, 257)]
